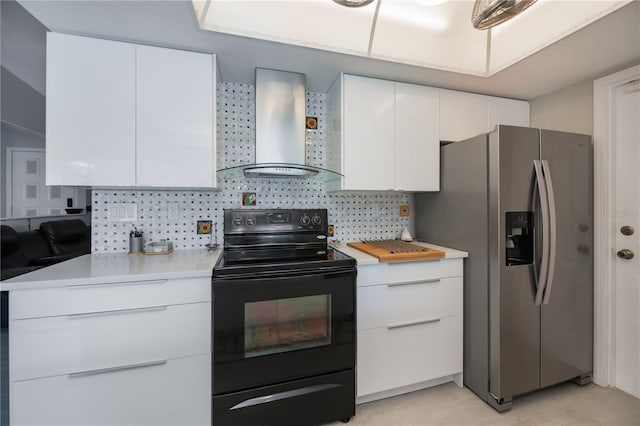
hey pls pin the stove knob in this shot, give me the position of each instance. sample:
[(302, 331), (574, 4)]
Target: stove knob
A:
[(304, 220), (251, 221), (237, 221), (316, 220)]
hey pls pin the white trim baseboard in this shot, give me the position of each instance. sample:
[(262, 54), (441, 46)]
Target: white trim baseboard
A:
[(604, 232)]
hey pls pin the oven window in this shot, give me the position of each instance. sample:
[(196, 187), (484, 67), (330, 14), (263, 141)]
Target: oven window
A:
[(283, 325)]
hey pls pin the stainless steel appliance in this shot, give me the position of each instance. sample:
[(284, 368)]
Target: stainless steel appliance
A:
[(520, 201), (283, 321)]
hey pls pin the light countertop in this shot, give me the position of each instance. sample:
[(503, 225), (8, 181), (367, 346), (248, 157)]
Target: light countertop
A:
[(122, 267), (364, 259), (118, 267)]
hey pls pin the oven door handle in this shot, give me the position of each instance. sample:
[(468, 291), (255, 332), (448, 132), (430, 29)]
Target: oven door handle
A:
[(259, 400)]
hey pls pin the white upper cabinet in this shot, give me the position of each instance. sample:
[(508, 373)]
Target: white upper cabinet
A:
[(464, 115), (121, 114), (383, 135), (175, 114), (508, 111), (90, 106), (368, 138), (417, 151)]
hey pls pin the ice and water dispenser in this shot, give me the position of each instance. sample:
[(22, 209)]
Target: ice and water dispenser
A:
[(519, 238)]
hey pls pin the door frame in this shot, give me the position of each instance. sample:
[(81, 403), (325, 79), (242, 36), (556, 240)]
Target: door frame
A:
[(604, 185), (9, 176)]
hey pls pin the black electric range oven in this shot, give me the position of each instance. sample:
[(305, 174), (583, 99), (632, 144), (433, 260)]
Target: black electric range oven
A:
[(284, 332)]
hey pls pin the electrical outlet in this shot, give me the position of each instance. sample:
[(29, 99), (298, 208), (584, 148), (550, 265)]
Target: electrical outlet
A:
[(404, 210)]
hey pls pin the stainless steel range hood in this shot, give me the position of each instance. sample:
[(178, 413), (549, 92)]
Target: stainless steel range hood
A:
[(280, 128)]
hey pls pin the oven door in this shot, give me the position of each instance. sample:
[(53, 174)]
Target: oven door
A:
[(281, 326)]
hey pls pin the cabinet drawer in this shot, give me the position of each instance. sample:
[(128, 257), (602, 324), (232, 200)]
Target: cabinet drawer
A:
[(77, 343), (176, 392), (392, 358), (385, 305), (383, 273), (108, 297)]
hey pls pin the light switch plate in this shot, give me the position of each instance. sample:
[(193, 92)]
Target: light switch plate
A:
[(122, 212)]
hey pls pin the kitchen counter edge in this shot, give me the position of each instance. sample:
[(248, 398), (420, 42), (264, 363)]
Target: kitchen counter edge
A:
[(365, 259), (105, 268)]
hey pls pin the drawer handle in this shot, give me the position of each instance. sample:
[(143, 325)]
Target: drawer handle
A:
[(119, 284), (436, 280), (117, 312), (409, 324), (114, 369), (259, 400)]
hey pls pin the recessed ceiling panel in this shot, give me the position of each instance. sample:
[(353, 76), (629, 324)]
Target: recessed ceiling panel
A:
[(322, 24), (438, 36), (542, 24)]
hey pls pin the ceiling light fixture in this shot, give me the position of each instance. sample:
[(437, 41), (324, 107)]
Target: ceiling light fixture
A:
[(353, 3), (489, 13)]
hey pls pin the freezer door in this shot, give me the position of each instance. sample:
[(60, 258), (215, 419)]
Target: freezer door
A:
[(514, 318), (567, 314)]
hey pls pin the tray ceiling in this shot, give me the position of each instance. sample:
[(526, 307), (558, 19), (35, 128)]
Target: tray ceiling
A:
[(405, 31)]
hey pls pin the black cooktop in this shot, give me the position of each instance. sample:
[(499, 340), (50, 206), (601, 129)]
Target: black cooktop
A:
[(280, 260), (277, 241)]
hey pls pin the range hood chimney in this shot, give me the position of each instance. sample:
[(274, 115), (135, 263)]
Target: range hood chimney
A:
[(280, 128), (280, 124)]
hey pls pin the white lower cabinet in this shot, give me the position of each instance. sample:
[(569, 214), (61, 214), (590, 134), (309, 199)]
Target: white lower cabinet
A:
[(128, 353), (397, 356), (409, 327), (165, 392)]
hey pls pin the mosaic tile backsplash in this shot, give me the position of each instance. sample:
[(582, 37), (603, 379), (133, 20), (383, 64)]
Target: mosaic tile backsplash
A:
[(356, 215)]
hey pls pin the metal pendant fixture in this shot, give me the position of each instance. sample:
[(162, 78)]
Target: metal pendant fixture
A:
[(353, 3), (489, 13)]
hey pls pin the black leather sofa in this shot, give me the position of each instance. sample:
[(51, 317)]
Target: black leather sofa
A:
[(54, 242)]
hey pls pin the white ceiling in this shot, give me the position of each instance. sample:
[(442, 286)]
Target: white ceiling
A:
[(406, 31), (606, 45)]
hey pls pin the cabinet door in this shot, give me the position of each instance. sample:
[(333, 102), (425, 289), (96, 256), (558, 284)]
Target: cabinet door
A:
[(175, 113), (417, 153), (163, 392), (394, 357), (508, 111), (90, 111), (94, 341), (368, 123), (462, 115)]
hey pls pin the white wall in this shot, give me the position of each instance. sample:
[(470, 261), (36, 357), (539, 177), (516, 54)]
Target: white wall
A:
[(24, 46), (569, 109)]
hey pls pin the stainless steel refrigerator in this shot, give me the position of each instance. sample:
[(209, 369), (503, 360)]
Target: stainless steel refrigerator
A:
[(520, 201)]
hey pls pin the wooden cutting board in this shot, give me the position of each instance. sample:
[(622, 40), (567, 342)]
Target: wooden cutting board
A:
[(385, 256)]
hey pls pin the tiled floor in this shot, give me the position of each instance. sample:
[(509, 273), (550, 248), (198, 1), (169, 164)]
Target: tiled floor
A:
[(566, 404)]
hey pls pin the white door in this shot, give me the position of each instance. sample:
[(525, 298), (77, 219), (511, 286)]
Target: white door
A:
[(625, 128), (29, 196)]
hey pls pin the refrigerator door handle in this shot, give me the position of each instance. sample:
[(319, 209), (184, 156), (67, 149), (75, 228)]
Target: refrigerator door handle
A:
[(544, 263), (552, 230)]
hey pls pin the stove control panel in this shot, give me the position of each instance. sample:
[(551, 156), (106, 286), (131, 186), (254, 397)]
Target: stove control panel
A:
[(275, 220)]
